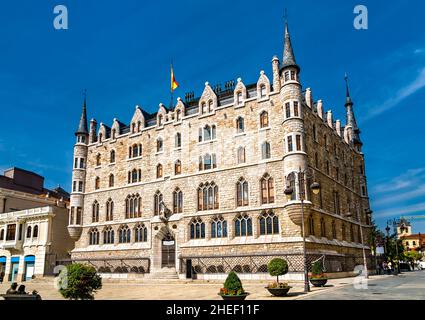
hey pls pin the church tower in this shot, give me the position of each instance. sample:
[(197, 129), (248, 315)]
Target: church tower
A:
[(79, 176)]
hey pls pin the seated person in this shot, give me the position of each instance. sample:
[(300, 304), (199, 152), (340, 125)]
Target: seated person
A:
[(35, 293), (12, 289), (21, 289)]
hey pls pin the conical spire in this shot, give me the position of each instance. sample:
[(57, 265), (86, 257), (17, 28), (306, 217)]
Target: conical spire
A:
[(82, 127), (288, 51), (351, 119), (348, 97)]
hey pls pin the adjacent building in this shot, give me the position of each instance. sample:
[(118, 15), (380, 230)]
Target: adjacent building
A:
[(202, 185), (33, 226), (410, 240)]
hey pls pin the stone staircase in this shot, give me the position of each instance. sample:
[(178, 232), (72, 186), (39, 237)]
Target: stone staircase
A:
[(163, 274)]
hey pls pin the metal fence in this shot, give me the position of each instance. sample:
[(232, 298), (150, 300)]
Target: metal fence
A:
[(114, 265), (251, 264)]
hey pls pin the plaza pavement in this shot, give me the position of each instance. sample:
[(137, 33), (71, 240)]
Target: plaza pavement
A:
[(207, 290)]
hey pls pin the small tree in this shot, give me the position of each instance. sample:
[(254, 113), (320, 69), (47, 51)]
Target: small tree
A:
[(277, 267), (233, 283), (82, 282), (412, 256)]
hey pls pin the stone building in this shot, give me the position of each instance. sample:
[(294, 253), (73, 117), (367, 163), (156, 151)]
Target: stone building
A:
[(203, 183), (33, 223)]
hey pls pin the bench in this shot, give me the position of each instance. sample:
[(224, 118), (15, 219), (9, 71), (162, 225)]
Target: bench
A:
[(26, 297)]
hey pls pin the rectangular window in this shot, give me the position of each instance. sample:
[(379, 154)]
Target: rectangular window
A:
[(293, 75), (288, 110), (80, 186), (264, 192), (82, 163), (11, 232), (74, 186), (20, 232), (76, 163), (286, 76), (298, 142), (290, 146), (296, 110)]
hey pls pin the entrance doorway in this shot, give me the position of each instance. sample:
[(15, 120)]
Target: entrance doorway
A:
[(2, 268), (168, 251), (29, 267), (14, 269)]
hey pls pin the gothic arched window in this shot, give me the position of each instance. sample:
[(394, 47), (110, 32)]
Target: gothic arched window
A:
[(177, 201), (111, 180), (109, 210), (208, 197), (197, 229), (267, 189), (159, 145), (157, 199), (112, 157), (178, 140), (97, 183), (240, 125), (264, 119), (243, 226), (218, 228), (124, 234), (108, 235), (159, 172), (133, 207), (242, 198), (269, 223), (95, 212), (177, 167), (141, 233), (241, 155), (94, 237)]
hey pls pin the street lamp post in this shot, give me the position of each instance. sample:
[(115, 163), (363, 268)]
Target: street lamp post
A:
[(394, 223), (315, 187)]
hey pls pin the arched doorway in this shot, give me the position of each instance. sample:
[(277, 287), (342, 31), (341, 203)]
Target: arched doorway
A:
[(168, 251)]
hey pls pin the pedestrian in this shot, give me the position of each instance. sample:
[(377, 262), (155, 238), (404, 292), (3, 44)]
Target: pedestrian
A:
[(378, 269), (390, 267), (21, 289), (385, 267), (12, 289)]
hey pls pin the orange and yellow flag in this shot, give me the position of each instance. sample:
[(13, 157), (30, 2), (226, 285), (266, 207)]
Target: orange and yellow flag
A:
[(174, 83)]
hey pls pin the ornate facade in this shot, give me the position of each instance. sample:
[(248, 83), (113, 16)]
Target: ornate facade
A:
[(203, 183)]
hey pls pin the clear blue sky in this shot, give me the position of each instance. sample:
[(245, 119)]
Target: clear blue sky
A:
[(120, 51)]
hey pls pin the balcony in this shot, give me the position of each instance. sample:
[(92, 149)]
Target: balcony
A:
[(11, 245)]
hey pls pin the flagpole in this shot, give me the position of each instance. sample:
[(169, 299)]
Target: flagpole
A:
[(171, 87)]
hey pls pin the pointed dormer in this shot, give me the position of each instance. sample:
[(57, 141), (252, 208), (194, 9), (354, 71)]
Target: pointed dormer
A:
[(354, 131), (289, 60)]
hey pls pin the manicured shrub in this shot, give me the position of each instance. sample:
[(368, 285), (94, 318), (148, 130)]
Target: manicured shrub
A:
[(277, 267), (82, 281), (317, 270), (232, 285)]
